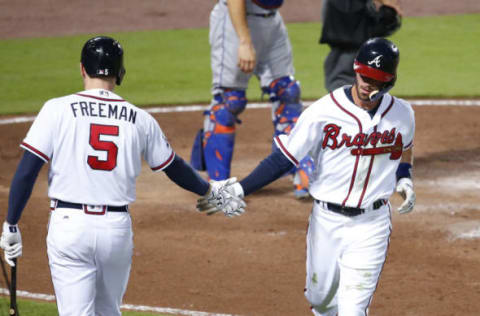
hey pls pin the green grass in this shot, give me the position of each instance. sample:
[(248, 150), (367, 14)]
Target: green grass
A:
[(438, 59), (34, 308)]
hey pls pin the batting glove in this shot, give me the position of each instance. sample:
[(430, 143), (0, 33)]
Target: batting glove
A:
[(11, 242), (219, 198), (405, 189)]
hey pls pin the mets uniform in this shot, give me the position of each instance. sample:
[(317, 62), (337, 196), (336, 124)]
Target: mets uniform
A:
[(264, 27)]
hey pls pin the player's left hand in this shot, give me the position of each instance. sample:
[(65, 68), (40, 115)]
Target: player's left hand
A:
[(405, 189), (11, 242), (219, 198), (246, 56)]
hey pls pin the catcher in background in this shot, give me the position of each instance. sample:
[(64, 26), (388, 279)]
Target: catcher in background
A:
[(247, 37), (346, 25)]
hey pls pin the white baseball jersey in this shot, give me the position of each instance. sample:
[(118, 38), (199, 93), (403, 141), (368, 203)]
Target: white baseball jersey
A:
[(356, 156), (95, 141), (269, 37)]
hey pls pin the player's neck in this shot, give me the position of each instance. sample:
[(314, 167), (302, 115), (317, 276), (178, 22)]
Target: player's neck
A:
[(365, 104), (98, 83)]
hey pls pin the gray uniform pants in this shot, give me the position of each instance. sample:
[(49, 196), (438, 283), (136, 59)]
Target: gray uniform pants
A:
[(338, 68)]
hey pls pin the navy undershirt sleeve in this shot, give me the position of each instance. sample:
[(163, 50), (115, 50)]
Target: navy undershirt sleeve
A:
[(186, 177), (22, 185), (269, 170)]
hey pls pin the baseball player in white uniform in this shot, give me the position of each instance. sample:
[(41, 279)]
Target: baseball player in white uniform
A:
[(94, 141), (360, 138), (247, 37)]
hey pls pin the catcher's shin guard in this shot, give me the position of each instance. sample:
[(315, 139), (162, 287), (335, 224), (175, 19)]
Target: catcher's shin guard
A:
[(302, 176), (218, 153), (286, 106), (219, 138), (284, 94)]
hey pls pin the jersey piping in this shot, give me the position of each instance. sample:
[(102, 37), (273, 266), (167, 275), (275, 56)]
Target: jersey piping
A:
[(367, 179), (35, 151), (285, 151), (98, 98), (357, 159), (372, 158), (165, 164)]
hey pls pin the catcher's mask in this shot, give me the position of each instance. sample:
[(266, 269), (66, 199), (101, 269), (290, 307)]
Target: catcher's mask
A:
[(102, 56), (378, 59)]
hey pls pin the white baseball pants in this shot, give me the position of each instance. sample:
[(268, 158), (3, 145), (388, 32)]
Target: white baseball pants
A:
[(345, 256), (90, 258)]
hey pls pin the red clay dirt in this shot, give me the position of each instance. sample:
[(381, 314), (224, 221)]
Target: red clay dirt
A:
[(255, 264)]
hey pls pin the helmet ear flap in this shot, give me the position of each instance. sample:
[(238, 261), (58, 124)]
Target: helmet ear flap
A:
[(120, 75)]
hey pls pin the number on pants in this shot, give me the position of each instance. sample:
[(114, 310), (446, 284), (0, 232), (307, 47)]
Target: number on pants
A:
[(97, 130)]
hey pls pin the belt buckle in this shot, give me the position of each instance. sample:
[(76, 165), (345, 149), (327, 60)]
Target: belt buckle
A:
[(94, 209), (351, 211)]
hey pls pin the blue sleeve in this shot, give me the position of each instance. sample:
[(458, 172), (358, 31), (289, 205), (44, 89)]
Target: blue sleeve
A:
[(269, 170), (186, 177), (22, 185)]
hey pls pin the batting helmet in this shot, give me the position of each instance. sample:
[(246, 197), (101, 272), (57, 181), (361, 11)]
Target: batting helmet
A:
[(378, 59), (102, 56)]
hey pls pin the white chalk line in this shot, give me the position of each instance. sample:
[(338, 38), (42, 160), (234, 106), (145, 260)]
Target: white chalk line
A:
[(138, 308), (197, 108)]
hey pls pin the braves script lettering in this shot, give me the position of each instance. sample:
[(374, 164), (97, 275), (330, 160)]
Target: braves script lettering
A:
[(334, 140)]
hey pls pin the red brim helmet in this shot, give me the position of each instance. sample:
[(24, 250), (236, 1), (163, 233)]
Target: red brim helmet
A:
[(378, 59)]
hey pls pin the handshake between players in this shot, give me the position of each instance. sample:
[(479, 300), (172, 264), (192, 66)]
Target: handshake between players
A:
[(225, 196)]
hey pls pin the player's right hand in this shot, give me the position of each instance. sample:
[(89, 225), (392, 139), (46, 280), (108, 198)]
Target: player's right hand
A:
[(219, 198), (11, 242), (246, 56)]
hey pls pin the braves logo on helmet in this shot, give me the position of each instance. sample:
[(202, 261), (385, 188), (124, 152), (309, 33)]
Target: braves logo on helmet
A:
[(269, 4), (375, 61)]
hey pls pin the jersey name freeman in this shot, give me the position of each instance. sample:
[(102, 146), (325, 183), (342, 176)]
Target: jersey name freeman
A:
[(106, 110)]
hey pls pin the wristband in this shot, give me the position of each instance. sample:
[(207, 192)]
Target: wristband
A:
[(404, 170)]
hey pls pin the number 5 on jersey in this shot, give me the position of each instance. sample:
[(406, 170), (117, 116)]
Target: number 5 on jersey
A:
[(96, 131)]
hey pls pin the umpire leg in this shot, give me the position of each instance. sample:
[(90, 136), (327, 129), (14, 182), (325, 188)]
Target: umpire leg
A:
[(338, 68)]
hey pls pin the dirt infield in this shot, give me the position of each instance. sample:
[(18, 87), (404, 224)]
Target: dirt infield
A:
[(255, 264)]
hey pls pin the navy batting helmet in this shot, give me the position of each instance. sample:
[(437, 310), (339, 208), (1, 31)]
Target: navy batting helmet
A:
[(378, 59), (102, 56)]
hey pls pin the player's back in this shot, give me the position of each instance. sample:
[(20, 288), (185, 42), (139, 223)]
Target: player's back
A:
[(95, 141)]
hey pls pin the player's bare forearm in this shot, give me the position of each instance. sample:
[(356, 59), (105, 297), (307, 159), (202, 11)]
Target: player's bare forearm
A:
[(246, 51), (238, 15), (407, 156)]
